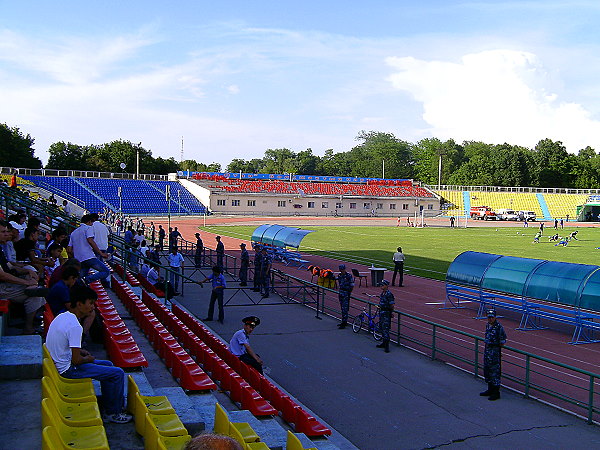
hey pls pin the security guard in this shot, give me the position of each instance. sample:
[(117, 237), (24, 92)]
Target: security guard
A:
[(495, 338), (240, 344), (265, 272), (244, 263), (345, 284), (257, 263), (386, 308)]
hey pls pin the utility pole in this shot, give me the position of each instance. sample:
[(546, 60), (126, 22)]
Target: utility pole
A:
[(181, 157)]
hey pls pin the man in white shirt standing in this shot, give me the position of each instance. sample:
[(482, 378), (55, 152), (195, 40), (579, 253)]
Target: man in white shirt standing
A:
[(176, 264), (64, 344), (83, 248), (101, 234), (398, 267)]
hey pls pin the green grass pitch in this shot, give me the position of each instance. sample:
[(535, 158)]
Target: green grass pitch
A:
[(429, 251)]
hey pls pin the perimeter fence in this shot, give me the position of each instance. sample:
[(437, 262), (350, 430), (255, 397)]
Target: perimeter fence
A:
[(561, 385)]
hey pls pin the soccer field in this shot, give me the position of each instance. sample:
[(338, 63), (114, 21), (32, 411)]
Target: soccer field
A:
[(429, 251)]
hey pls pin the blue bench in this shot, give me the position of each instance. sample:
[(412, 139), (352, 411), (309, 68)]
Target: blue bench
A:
[(586, 323)]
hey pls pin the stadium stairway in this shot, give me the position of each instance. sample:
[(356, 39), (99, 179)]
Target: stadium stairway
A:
[(544, 206), (196, 409), (467, 201), (95, 195)]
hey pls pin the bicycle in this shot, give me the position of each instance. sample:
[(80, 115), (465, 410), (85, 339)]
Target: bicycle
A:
[(372, 326)]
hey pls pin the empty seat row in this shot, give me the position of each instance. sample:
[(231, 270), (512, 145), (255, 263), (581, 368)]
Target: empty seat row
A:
[(70, 414), (155, 419), (232, 373), (120, 344), (183, 368)]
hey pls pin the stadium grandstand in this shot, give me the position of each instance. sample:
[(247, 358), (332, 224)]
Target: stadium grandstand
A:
[(547, 204), (322, 388), (259, 194)]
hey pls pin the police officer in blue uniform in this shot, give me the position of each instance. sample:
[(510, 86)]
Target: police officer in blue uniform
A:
[(386, 308), (257, 263), (345, 284), (265, 272), (244, 263), (495, 338)]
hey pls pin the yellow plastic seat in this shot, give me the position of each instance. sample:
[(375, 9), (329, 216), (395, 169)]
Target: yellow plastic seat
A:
[(72, 393), (222, 425), (167, 424), (153, 440), (71, 437), (80, 414), (49, 370), (257, 446), (155, 404), (293, 443)]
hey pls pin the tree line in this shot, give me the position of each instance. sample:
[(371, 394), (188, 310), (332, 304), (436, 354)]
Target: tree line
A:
[(376, 154)]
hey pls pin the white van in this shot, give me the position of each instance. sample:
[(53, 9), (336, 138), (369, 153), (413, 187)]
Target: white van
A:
[(507, 214), (530, 215)]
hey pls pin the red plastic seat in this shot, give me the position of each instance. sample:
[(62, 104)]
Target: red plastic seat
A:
[(288, 408), (255, 403), (307, 424), (125, 355)]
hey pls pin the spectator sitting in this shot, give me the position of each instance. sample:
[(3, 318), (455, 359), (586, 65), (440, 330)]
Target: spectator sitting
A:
[(54, 252), (159, 282), (57, 274), (18, 222), (59, 297), (64, 344), (145, 269), (19, 285), (26, 251), (60, 236)]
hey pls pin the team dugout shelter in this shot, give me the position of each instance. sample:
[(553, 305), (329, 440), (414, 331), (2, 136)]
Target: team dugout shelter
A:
[(279, 240), (538, 290)]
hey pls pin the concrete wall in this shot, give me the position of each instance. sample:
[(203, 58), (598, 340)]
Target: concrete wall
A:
[(286, 205)]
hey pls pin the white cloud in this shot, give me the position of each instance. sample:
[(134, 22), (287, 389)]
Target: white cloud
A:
[(495, 96), (233, 89)]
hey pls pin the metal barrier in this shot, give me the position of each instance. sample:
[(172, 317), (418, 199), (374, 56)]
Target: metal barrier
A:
[(558, 384)]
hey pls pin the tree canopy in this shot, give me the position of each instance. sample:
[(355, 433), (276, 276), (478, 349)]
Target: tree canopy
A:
[(16, 149), (548, 164)]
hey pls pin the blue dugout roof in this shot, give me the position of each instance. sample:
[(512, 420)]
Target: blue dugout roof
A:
[(279, 235), (571, 284)]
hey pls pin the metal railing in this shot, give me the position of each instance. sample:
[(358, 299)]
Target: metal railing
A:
[(567, 387)]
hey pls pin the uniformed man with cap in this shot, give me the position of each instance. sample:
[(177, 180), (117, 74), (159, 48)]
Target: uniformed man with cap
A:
[(345, 285), (386, 308), (495, 338), (240, 344), (244, 263), (265, 272), (257, 263)]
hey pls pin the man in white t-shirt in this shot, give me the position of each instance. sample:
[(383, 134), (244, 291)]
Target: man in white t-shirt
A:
[(64, 344), (83, 247), (176, 265)]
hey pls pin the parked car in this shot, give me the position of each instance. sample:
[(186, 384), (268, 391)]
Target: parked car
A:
[(530, 215), (507, 214)]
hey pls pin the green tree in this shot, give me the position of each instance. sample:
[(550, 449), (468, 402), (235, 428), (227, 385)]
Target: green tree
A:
[(427, 153), (16, 149), (66, 156), (552, 164), (376, 147)]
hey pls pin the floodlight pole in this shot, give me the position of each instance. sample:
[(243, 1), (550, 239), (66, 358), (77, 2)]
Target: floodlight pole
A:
[(440, 172)]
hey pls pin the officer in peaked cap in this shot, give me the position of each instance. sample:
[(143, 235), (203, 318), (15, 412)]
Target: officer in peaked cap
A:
[(240, 344), (386, 308), (495, 338)]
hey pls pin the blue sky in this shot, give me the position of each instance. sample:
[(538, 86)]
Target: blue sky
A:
[(239, 77)]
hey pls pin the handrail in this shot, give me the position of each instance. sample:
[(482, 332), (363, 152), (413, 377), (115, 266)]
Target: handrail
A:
[(440, 345)]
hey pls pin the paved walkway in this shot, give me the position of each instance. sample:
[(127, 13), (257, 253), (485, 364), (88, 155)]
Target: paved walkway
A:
[(400, 400)]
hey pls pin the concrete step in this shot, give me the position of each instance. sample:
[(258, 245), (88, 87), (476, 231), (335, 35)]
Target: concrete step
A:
[(271, 431), (20, 357), (184, 408), (204, 404)]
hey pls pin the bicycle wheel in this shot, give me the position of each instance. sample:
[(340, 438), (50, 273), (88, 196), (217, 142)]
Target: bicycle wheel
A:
[(357, 323), (377, 332)]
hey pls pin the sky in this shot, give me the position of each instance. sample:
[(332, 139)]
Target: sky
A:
[(235, 78)]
